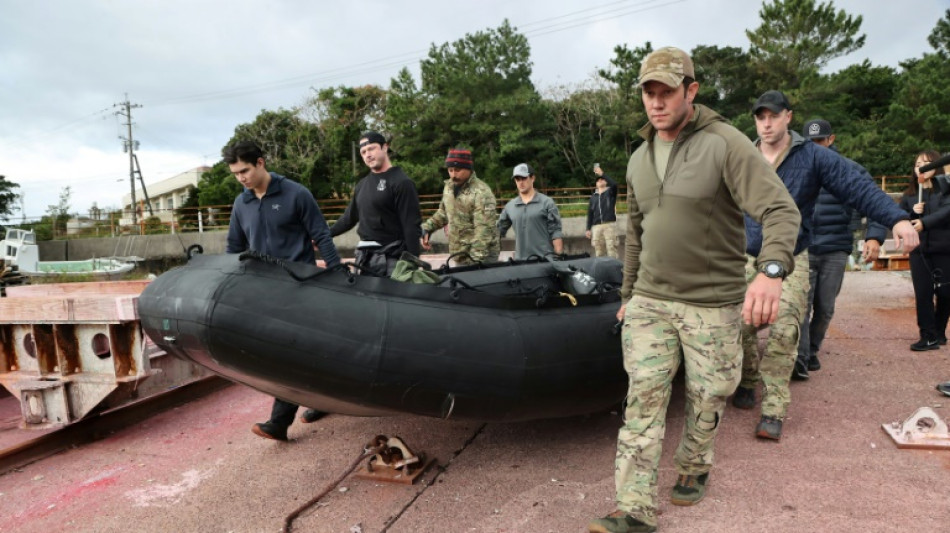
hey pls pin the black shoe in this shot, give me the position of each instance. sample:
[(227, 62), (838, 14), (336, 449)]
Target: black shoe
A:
[(769, 427), (269, 430), (800, 372), (743, 398), (944, 388), (311, 415), (814, 364), (619, 521), (925, 344)]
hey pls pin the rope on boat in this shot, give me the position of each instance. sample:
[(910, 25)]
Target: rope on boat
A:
[(569, 297)]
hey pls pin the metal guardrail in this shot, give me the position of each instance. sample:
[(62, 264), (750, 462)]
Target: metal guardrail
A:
[(571, 201)]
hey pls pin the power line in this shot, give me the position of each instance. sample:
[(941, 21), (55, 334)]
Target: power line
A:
[(613, 13), (580, 12), (71, 124), (541, 27), (596, 14), (328, 75)]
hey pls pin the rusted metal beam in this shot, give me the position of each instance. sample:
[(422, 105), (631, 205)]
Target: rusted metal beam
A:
[(99, 425)]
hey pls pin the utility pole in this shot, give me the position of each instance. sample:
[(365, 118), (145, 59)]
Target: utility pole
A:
[(129, 146)]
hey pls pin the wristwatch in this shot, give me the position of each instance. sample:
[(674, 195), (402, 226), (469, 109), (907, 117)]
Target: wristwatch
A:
[(772, 269)]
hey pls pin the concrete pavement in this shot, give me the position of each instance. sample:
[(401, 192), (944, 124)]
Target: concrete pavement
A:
[(199, 468)]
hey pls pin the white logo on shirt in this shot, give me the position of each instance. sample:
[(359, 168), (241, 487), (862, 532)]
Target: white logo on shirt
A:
[(382, 185), (275, 207)]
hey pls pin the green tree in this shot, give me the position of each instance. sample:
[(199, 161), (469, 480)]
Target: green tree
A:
[(587, 130), (475, 92), (797, 38), (339, 115), (217, 186), (58, 213), (724, 82), (290, 144), (918, 117), (406, 113), (8, 198), (939, 38), (855, 101), (188, 212), (622, 121), (921, 105)]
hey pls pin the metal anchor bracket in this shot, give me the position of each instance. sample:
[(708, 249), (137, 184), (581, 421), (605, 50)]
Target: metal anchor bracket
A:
[(394, 463), (922, 430)]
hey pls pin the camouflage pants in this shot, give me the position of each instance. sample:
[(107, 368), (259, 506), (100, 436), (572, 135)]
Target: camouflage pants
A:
[(654, 332), (774, 368), (604, 239)]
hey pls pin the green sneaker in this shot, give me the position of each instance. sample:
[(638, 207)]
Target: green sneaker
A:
[(619, 522), (689, 490)]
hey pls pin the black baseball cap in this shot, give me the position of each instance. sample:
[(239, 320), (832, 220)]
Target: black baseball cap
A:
[(774, 101), (816, 129)]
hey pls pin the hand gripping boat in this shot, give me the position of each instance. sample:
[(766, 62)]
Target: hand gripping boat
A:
[(505, 341)]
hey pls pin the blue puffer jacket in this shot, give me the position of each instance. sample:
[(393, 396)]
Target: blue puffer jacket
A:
[(806, 169), (834, 223)]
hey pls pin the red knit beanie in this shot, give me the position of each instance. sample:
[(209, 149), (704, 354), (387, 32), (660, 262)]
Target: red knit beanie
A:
[(459, 158)]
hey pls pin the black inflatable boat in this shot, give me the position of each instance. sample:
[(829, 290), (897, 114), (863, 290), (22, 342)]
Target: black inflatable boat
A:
[(506, 341)]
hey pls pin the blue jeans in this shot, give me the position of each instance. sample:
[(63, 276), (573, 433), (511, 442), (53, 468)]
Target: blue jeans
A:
[(826, 272)]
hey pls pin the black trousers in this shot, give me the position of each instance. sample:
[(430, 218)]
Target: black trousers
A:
[(926, 271)]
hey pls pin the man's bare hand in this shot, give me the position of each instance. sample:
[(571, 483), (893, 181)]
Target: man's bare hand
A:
[(906, 235), (761, 300), (620, 313), (425, 241), (871, 250)]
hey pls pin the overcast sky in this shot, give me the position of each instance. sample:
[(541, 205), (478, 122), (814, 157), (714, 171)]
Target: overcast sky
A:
[(199, 68)]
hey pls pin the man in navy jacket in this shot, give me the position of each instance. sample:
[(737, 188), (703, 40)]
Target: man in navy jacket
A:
[(280, 218), (832, 242), (804, 168)]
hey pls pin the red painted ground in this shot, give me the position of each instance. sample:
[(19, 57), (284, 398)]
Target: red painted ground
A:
[(198, 468)]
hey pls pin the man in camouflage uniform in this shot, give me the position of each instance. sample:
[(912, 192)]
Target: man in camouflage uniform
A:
[(468, 208), (683, 285)]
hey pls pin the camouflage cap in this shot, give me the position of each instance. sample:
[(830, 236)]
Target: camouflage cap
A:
[(668, 66)]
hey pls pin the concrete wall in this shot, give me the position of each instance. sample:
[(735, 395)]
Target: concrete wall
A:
[(213, 242)]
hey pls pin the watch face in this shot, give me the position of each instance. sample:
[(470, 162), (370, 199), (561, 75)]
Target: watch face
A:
[(773, 269)]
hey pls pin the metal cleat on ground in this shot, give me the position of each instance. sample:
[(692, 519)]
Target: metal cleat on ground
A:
[(394, 463), (923, 430)]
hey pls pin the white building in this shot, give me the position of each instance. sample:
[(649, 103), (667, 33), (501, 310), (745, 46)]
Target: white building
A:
[(165, 196)]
